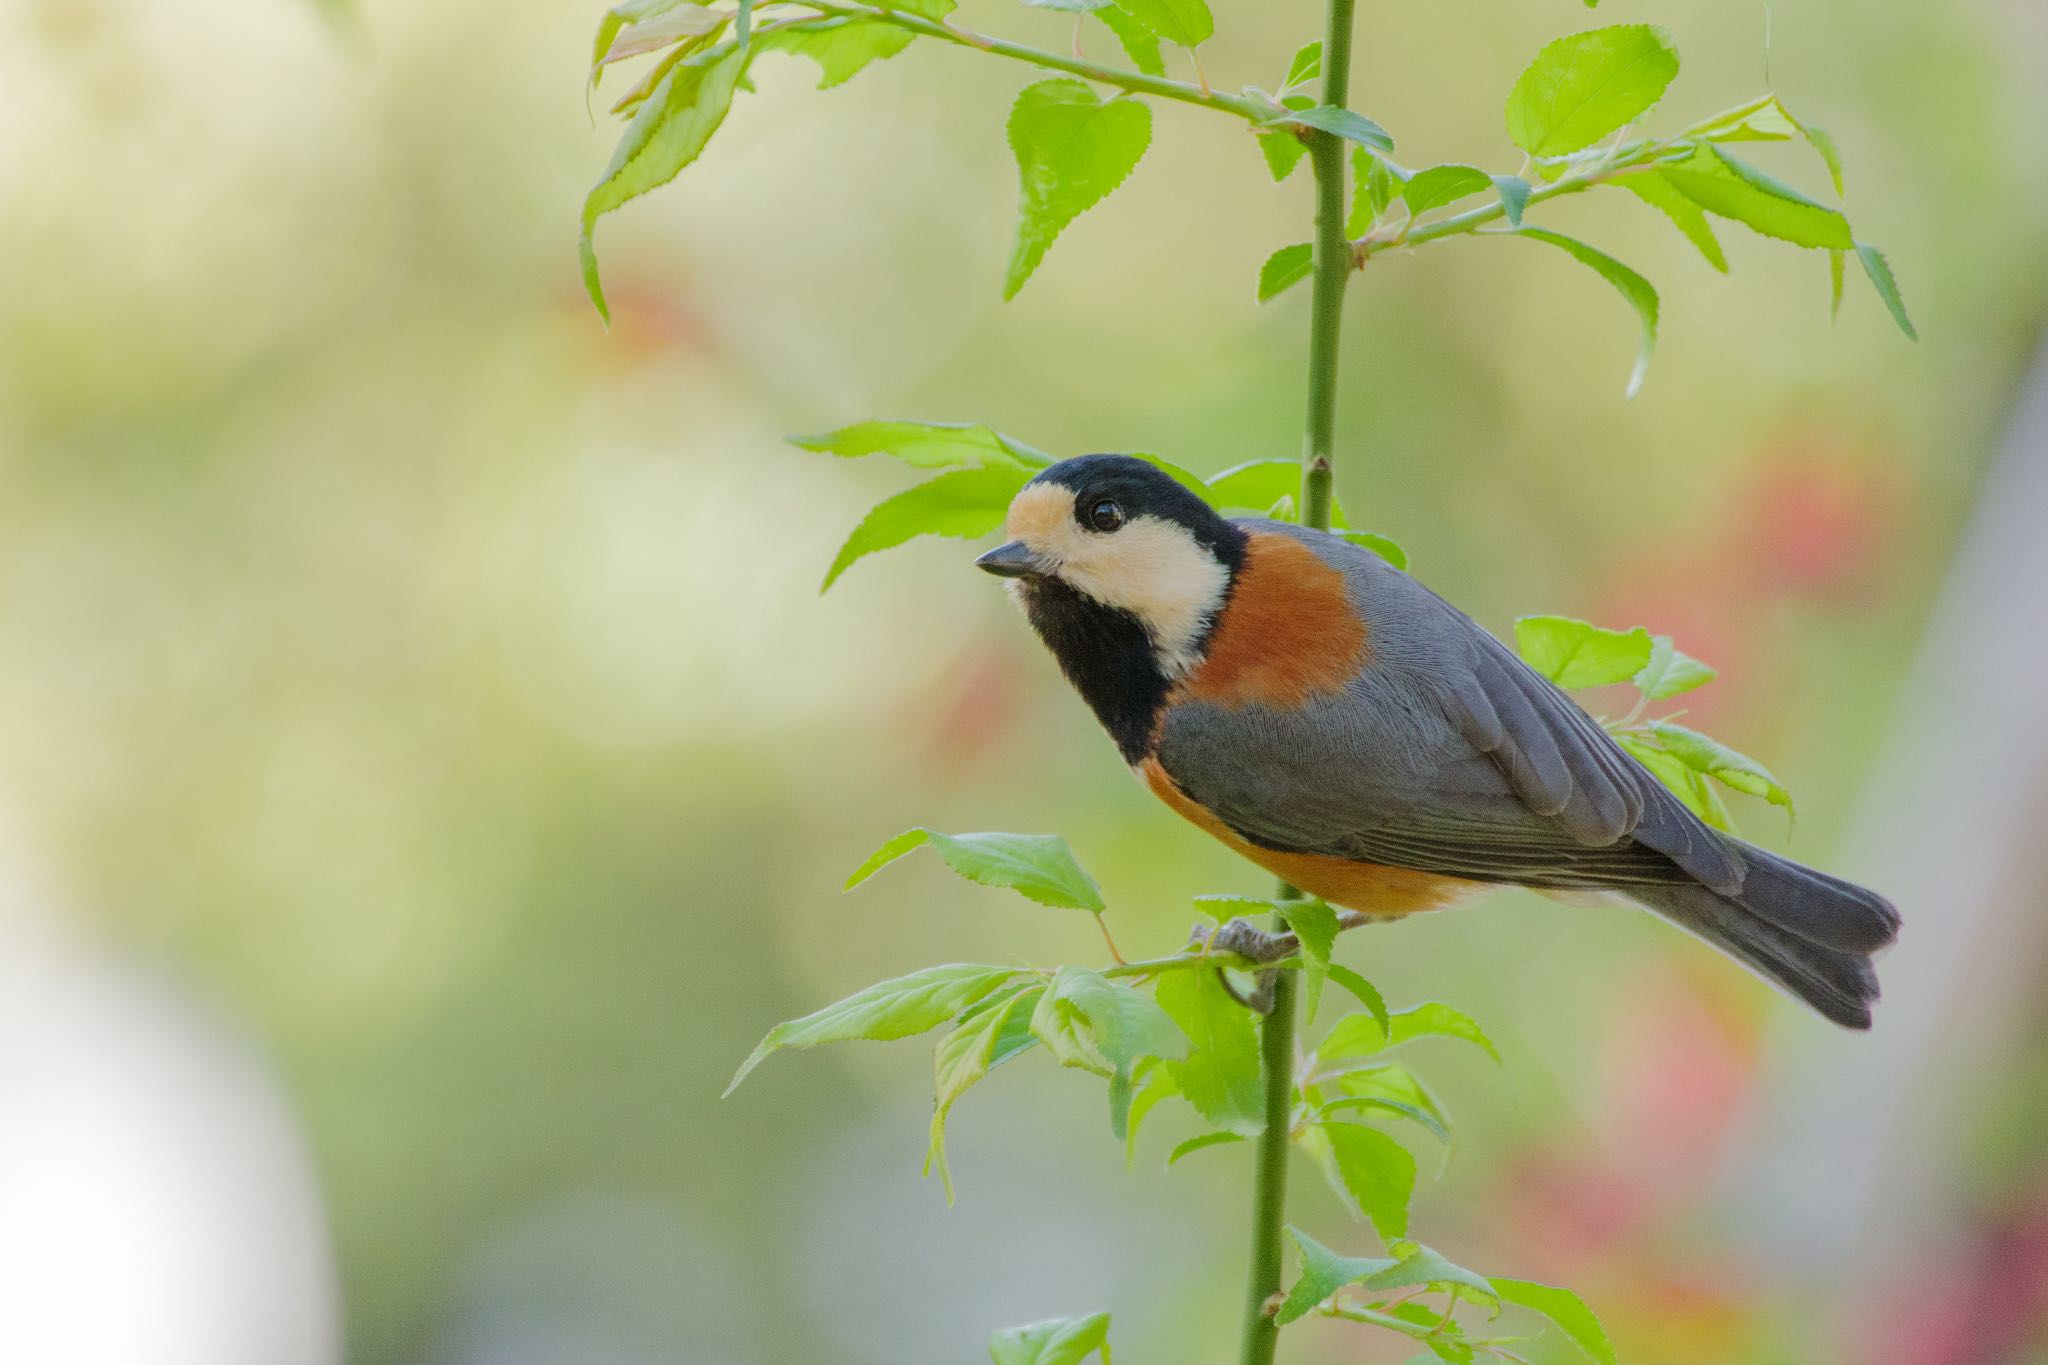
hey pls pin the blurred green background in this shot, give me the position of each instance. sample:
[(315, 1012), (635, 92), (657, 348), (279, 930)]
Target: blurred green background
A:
[(421, 699)]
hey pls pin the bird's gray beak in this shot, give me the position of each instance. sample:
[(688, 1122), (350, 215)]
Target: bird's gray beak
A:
[(1014, 560)]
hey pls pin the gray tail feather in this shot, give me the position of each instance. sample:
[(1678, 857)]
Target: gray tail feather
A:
[(1804, 930)]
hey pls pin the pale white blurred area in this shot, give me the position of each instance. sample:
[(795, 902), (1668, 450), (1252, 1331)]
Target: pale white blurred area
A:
[(156, 1202)]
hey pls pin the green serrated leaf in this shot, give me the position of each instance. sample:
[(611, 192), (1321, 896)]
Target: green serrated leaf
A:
[(1394, 1084), (1413, 1112), (1823, 144), (1219, 1075), (1881, 279), (1639, 293), (1039, 867), (1377, 1172), (1440, 185), (1584, 86), (1283, 152), (1376, 184), (1564, 1308), (1688, 786), (1257, 485), (966, 1055), (1836, 275), (926, 445), (1723, 185), (1365, 992), (1151, 1085), (1059, 1341), (1186, 22), (1575, 653), (1196, 1144), (1344, 123), (965, 503), (840, 47), (1363, 1035), (1420, 1265), (1114, 1022), (887, 1010), (1285, 268), (1221, 908), (1072, 150), (1306, 66), (1725, 765), (1140, 44), (1689, 218), (1671, 671), (1315, 926), (1323, 1273), (1385, 547), (674, 122), (1514, 197), (1192, 482)]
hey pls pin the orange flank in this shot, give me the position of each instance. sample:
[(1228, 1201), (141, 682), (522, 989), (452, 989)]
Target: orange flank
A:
[(1287, 634), (1367, 887)]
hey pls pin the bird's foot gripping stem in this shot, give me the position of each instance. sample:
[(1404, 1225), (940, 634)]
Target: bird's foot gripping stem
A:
[(1244, 940)]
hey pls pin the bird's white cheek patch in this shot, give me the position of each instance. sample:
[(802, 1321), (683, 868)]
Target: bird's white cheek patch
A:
[(1153, 569)]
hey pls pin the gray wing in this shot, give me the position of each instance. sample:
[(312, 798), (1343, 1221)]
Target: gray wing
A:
[(1445, 754)]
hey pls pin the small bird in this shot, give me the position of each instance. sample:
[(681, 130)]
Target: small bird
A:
[(1342, 726)]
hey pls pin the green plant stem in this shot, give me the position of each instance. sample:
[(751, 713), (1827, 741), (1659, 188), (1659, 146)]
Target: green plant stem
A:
[(1334, 263), (1471, 220), (1137, 82)]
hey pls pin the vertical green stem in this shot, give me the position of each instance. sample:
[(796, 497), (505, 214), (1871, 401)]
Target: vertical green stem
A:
[(1333, 266)]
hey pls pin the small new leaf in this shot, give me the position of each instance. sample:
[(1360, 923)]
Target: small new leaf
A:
[(1306, 66), (1323, 1273), (1584, 86), (925, 445), (1039, 867), (1725, 765), (1376, 1171), (887, 1010), (1688, 217), (1419, 1265), (965, 503), (1365, 992), (966, 1055), (1060, 1341), (1186, 22), (1315, 926), (1564, 1308), (1219, 1074), (1285, 268), (1440, 185), (1083, 1013), (840, 47), (1384, 546), (1723, 185), (1363, 1035), (1639, 292), (671, 128), (1140, 44), (1690, 787), (1196, 1144), (1344, 123), (1575, 653), (1514, 197), (1072, 149), (1671, 671), (1880, 272)]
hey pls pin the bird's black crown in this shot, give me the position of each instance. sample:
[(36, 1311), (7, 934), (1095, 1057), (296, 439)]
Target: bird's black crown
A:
[(1142, 489)]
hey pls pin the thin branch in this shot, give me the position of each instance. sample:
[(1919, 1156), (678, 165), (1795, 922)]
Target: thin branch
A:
[(1137, 82)]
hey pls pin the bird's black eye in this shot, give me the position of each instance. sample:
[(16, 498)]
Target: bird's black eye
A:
[(1105, 515)]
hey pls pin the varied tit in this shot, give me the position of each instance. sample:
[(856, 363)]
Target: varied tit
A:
[(1342, 726)]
